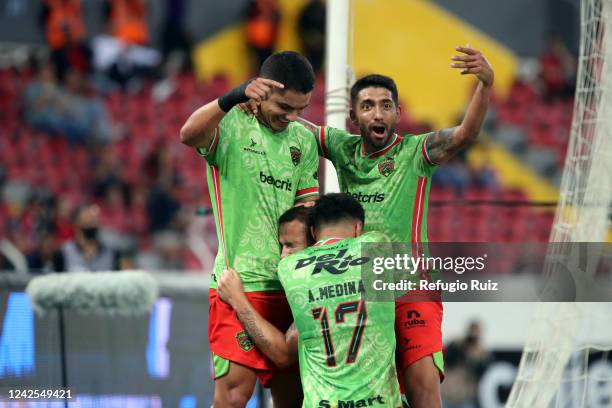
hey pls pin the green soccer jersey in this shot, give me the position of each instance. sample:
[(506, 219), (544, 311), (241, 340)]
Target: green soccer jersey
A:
[(346, 345), (254, 176), (391, 184)]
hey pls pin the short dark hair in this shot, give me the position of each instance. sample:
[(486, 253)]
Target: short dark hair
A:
[(299, 213), (376, 81), (333, 208), (290, 69)]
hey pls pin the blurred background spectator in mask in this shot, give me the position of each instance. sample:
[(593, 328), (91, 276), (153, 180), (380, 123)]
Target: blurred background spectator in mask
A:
[(86, 253)]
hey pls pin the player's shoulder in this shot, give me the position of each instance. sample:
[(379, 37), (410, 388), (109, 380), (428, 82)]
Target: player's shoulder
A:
[(290, 260), (287, 266), (412, 140), (412, 144), (237, 114), (341, 136), (236, 119), (373, 236), (302, 136)]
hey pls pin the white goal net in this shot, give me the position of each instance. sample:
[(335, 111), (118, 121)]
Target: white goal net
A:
[(566, 361)]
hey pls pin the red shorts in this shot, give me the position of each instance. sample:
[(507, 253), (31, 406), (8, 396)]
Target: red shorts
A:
[(418, 331), (228, 338)]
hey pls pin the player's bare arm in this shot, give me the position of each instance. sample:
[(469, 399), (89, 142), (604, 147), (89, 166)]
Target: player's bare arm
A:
[(277, 346), (291, 338), (445, 143), (199, 129)]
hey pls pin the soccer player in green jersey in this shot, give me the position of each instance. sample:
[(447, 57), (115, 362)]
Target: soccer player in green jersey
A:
[(346, 344), (257, 168), (390, 175)]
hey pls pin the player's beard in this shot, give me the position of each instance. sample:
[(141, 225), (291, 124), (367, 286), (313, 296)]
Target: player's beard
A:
[(372, 141)]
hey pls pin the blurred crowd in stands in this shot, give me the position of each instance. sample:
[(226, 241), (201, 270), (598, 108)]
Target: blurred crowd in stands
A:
[(92, 128)]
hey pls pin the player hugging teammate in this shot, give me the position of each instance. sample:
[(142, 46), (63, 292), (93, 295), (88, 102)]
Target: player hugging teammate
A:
[(258, 166)]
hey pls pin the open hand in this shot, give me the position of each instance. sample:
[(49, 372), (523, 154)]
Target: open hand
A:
[(474, 63)]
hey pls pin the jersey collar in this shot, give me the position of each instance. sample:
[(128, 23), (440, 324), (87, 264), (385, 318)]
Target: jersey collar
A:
[(396, 139), (327, 241)]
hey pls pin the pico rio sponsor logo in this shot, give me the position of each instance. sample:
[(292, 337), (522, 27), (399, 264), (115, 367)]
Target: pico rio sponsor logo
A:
[(274, 182)]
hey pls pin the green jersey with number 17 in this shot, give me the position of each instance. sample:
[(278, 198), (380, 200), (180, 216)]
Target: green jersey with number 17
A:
[(254, 176), (392, 184), (346, 344)]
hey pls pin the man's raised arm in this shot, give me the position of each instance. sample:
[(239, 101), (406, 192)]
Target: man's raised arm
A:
[(199, 130), (444, 144), (277, 346)]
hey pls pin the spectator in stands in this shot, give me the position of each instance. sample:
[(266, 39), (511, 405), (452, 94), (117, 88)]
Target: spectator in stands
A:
[(162, 208), (465, 360), (124, 53), (558, 71), (69, 111), (263, 19), (65, 33), (43, 101), (47, 257), (127, 21), (454, 174), (87, 113), (175, 37), (311, 29), (86, 252), (62, 224)]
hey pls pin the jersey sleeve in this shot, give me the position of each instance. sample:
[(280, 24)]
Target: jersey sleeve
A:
[(308, 184), (214, 154), (329, 141), (422, 164)]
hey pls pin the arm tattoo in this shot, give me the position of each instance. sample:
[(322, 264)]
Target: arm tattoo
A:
[(248, 320), (440, 146)]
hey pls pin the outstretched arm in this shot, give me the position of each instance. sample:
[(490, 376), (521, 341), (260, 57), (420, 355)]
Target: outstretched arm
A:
[(277, 346), (199, 129), (445, 143)]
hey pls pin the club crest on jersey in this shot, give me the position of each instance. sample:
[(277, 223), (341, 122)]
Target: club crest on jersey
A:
[(387, 166), (296, 155), (244, 341)]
